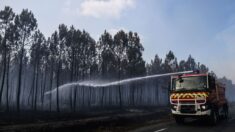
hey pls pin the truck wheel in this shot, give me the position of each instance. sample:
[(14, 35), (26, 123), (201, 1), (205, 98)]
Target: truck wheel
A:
[(213, 117), (179, 120)]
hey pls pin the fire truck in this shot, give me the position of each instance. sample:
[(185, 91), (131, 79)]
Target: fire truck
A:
[(197, 95)]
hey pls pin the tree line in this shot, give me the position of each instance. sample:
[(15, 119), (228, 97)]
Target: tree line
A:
[(31, 64)]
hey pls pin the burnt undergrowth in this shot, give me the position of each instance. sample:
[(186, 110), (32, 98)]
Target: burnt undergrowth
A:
[(90, 120)]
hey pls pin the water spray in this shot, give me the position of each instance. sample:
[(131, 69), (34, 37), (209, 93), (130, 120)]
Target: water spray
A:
[(115, 83)]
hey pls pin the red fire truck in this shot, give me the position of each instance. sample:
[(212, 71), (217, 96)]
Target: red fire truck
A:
[(197, 95)]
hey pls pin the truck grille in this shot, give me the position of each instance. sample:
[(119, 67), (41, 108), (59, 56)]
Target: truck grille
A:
[(187, 109)]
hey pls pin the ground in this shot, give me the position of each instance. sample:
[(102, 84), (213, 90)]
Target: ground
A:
[(153, 119)]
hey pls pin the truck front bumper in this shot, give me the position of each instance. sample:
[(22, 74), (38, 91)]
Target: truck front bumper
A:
[(197, 113)]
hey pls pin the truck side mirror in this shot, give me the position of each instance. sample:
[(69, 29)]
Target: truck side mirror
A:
[(181, 80)]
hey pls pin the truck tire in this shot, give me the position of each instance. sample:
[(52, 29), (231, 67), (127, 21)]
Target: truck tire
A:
[(179, 120), (213, 118)]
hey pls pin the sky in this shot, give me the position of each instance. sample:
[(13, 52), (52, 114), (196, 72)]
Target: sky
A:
[(203, 28)]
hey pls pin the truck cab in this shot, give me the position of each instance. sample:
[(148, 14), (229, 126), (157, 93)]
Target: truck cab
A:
[(197, 95)]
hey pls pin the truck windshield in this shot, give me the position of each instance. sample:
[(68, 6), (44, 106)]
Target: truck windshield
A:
[(189, 83)]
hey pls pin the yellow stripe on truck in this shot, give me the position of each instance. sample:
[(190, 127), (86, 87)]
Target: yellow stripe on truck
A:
[(187, 95)]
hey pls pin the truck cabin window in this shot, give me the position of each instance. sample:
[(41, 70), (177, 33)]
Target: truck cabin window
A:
[(189, 83)]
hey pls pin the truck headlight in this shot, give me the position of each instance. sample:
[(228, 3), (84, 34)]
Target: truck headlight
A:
[(174, 107), (204, 107)]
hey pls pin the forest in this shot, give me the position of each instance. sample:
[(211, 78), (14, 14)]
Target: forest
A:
[(31, 65)]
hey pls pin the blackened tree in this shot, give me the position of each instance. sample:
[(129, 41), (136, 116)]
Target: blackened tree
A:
[(106, 54), (136, 64), (53, 54), (26, 24), (38, 51), (6, 25)]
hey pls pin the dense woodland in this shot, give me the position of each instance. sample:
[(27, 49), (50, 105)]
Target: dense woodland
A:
[(31, 64)]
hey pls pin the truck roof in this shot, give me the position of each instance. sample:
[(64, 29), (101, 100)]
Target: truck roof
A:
[(191, 75)]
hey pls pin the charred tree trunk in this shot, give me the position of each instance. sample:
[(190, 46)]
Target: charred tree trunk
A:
[(19, 79), (120, 96), (36, 86), (51, 81), (89, 98), (132, 96), (44, 86), (75, 89), (83, 89), (4, 70), (83, 97), (71, 80), (57, 88), (31, 93), (7, 90), (75, 98), (157, 93), (119, 87), (102, 97), (3, 77)]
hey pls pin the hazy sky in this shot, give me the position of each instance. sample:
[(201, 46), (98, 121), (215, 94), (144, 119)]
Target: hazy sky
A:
[(203, 28)]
